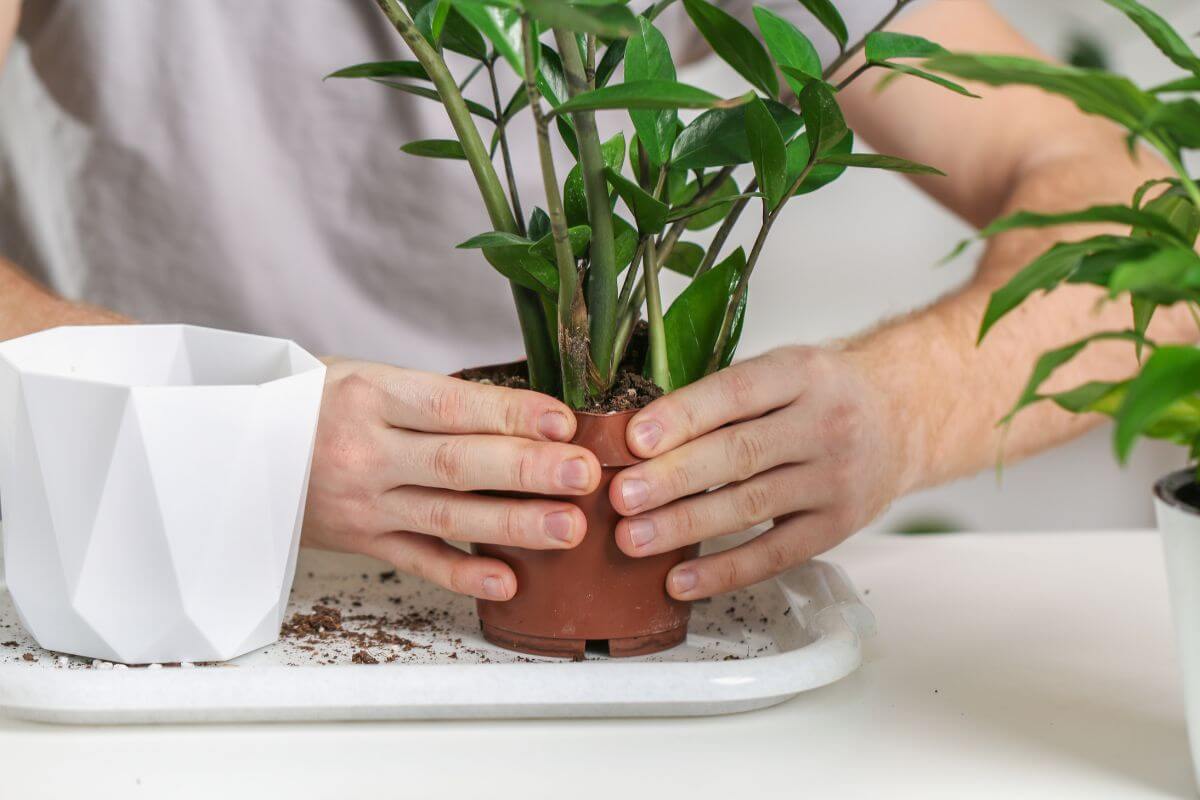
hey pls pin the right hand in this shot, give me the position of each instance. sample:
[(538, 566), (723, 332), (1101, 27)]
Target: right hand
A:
[(400, 456)]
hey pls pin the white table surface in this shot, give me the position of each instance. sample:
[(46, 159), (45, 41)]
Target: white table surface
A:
[(1007, 665)]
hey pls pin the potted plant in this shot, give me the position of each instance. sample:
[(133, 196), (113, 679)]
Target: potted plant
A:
[(585, 262), (1154, 265)]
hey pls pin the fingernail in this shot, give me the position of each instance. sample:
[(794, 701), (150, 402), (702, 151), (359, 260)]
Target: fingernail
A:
[(494, 588), (641, 532), (554, 425), (634, 493), (575, 474), (647, 434), (683, 580), (559, 525)]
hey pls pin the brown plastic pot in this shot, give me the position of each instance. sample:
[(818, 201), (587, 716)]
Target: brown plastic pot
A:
[(592, 594)]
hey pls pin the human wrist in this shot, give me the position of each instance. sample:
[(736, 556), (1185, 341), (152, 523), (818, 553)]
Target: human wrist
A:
[(894, 394)]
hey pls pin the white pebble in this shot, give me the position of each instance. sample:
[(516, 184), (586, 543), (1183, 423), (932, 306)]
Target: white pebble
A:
[(154, 666), (105, 665), (186, 665), (63, 661), (120, 666), (95, 662)]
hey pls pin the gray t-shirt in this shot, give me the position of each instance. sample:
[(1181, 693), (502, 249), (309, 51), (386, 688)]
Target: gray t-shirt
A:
[(183, 161)]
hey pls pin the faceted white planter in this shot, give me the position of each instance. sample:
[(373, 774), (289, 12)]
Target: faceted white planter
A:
[(1180, 528), (152, 485)]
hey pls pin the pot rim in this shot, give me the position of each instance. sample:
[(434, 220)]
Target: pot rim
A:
[(629, 412), (1167, 488)]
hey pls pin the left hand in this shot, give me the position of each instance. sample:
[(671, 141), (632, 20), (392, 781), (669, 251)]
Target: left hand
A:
[(798, 435)]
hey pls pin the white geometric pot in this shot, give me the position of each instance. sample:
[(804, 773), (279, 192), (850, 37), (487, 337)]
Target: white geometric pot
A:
[(1179, 524), (152, 486)]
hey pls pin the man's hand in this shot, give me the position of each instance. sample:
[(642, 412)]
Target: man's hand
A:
[(400, 454), (797, 435)]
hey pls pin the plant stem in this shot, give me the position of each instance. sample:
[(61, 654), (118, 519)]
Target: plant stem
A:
[(660, 371), (538, 347), (850, 53), (506, 155), (465, 82), (590, 67), (572, 324), (769, 217), (602, 274), (667, 243), (853, 76), (718, 242)]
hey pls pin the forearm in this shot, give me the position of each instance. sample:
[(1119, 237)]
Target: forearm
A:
[(944, 395), (26, 306)]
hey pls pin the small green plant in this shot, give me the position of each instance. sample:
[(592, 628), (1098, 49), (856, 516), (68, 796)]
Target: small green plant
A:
[(1155, 265), (585, 261)]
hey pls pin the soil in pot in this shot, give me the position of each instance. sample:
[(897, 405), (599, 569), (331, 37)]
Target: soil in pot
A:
[(592, 597)]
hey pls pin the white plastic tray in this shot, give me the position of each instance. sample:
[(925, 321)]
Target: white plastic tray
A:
[(749, 650)]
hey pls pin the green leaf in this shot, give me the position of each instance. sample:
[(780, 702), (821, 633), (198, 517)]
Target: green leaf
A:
[(436, 148), (1188, 84), (645, 95), (684, 212), (649, 212), (429, 93), (1165, 275), (711, 211), (767, 152), (717, 138), (611, 20), (885, 45), (501, 26), (580, 237), (1045, 273), (899, 70), (1179, 119), (1094, 92), (512, 257), (735, 45), (574, 193), (552, 80), (1160, 32), (791, 49), (440, 14), (383, 69), (824, 125), (494, 239), (871, 161), (1144, 189), (1176, 208), (539, 224), (1118, 215), (457, 35), (1169, 375), (625, 242), (685, 258), (821, 174), (1050, 362), (647, 57), (1178, 422), (827, 14), (693, 322)]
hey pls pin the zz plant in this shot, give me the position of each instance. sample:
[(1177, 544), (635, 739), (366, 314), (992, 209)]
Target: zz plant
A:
[(1154, 265), (585, 261)]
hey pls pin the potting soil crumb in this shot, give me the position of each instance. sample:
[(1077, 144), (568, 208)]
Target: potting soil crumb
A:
[(343, 613)]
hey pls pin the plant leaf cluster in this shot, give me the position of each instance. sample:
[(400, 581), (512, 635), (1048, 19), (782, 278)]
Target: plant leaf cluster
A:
[(1153, 264), (584, 263)]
